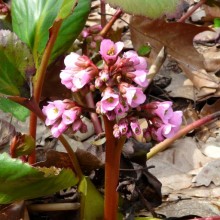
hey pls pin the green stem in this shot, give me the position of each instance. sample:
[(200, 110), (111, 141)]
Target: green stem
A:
[(72, 156), (39, 80), (112, 165), (167, 142)]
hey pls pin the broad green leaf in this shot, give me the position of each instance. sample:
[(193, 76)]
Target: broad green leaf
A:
[(16, 65), (20, 181), (92, 202), (71, 28), (31, 20), (149, 8), (18, 111)]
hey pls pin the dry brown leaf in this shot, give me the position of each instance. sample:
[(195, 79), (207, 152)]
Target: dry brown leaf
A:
[(209, 173), (176, 37), (209, 129), (172, 165), (180, 87), (7, 131), (205, 83), (211, 12)]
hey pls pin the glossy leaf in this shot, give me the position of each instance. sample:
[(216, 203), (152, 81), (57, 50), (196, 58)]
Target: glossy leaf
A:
[(16, 66), (31, 20), (92, 203), (149, 8), (18, 111), (71, 28), (20, 181)]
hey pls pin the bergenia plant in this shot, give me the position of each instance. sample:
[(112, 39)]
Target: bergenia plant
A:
[(121, 82), (108, 84)]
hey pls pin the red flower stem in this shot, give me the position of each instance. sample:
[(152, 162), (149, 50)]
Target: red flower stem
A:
[(72, 156), (167, 142), (190, 12), (39, 80), (112, 165), (108, 26), (103, 13), (94, 117)]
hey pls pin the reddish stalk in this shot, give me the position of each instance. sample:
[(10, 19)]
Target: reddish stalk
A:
[(190, 12), (94, 117), (103, 12), (108, 26), (39, 80), (112, 165), (167, 142)]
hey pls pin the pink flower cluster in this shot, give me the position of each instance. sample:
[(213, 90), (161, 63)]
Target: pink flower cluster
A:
[(62, 115), (79, 72), (121, 81), (163, 122)]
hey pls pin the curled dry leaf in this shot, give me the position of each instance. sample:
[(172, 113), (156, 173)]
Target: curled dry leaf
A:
[(209, 129), (87, 161), (7, 131), (209, 173)]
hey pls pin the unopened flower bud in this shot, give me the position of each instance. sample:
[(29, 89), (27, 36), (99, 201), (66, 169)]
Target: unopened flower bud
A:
[(22, 144)]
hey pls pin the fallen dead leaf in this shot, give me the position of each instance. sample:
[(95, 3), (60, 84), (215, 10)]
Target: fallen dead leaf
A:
[(176, 37), (209, 173), (7, 131)]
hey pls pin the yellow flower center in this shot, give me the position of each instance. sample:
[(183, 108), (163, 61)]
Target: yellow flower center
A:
[(110, 100), (111, 51)]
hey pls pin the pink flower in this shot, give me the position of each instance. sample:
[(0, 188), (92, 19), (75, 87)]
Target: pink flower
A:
[(123, 126), (58, 128), (171, 124), (134, 96), (110, 50), (109, 101), (140, 78), (140, 66), (138, 62), (79, 71), (116, 131), (70, 115), (163, 110), (53, 111), (135, 127)]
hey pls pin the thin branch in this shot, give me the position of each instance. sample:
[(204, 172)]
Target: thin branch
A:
[(167, 142)]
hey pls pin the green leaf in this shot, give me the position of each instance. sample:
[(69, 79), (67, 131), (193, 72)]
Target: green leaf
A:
[(217, 22), (149, 8), (16, 65), (92, 203), (20, 181), (71, 28), (144, 50), (18, 111), (31, 20)]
